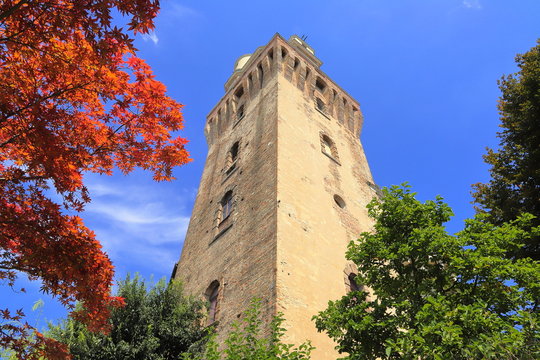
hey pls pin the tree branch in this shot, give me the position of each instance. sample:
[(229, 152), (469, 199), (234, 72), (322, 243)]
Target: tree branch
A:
[(14, 8)]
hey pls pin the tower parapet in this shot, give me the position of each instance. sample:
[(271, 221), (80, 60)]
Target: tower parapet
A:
[(297, 62)]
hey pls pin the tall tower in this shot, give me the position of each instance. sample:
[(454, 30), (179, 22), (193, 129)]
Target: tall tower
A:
[(284, 190)]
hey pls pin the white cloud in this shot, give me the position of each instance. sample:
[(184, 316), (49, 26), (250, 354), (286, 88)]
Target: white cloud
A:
[(472, 4), (177, 10), (151, 36), (140, 225)]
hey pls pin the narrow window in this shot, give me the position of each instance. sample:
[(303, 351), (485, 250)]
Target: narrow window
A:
[(250, 82), (307, 73), (271, 55), (212, 295), (226, 205), (353, 285), (283, 53), (261, 75), (234, 152), (321, 106), (296, 63), (240, 112)]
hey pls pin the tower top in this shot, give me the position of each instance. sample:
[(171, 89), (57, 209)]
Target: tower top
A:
[(294, 60), (299, 44)]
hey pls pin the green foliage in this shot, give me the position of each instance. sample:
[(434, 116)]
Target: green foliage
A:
[(156, 323), (514, 187), (437, 296), (246, 341)]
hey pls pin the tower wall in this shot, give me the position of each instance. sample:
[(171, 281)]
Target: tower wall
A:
[(312, 229), (240, 251), (285, 239)]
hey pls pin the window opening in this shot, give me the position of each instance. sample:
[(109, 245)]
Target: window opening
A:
[(320, 104), (261, 75), (239, 92), (296, 63), (212, 295), (283, 53), (326, 144), (226, 205), (240, 112), (353, 285), (339, 201), (320, 84), (234, 152), (271, 55)]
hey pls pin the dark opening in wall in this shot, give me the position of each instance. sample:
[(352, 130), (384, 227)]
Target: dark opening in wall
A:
[(212, 295), (353, 285), (271, 55), (320, 84), (320, 104), (234, 152), (261, 75), (226, 205), (239, 93), (296, 63), (240, 112), (283, 53), (339, 201)]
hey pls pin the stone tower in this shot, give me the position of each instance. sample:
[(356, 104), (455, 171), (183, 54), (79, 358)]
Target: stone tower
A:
[(284, 189)]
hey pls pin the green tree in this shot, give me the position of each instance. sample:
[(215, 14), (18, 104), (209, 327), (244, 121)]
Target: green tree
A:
[(247, 341), (436, 295), (514, 187), (157, 323)]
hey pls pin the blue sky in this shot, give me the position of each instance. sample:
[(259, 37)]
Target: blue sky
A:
[(425, 74)]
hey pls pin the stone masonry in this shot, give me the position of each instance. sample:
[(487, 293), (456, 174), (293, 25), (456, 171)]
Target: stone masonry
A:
[(284, 189)]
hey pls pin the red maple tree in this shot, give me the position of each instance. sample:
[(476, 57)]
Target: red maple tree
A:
[(74, 98)]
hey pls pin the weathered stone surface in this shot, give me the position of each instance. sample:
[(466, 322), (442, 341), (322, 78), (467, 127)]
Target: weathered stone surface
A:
[(286, 237)]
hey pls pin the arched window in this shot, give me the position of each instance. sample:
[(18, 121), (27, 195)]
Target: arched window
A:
[(353, 285), (233, 153), (232, 156), (212, 295), (226, 205), (328, 147)]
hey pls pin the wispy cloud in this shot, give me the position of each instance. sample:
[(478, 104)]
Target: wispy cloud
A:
[(151, 36), (141, 226), (179, 11), (472, 4)]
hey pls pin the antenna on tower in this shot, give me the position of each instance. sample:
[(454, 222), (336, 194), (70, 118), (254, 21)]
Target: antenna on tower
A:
[(303, 37)]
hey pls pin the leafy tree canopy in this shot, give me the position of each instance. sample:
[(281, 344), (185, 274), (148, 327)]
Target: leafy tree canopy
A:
[(435, 295), (157, 322), (514, 187), (247, 341), (74, 97)]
